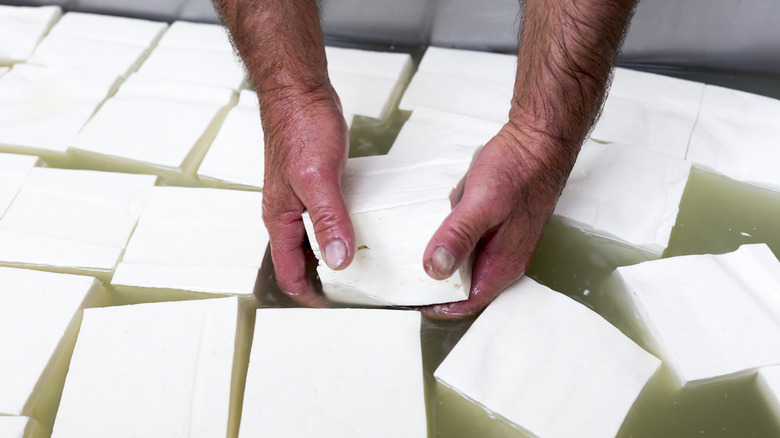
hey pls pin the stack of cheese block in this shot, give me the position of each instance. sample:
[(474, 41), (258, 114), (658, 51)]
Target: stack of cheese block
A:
[(396, 203)]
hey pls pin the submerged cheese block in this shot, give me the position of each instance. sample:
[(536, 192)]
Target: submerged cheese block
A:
[(625, 192), (650, 110), (201, 36), (155, 123), (368, 83), (161, 369), (122, 30), (737, 135), (396, 203), (89, 54), (193, 239), (236, 156), (428, 127), (769, 386), (18, 427), (207, 67), (548, 364), (335, 372), (39, 314), (471, 83), (43, 108), (707, 317), (72, 218), (13, 172), (21, 28)]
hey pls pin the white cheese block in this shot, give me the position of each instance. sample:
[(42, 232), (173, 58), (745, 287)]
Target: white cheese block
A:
[(121, 30), (208, 67), (475, 84), (737, 135), (430, 127), (201, 36), (335, 372), (625, 192), (203, 240), (708, 317), (21, 28), (534, 354), (368, 83), (39, 312), (150, 124), (72, 218), (169, 364), (396, 203), (13, 172), (89, 54), (769, 386), (18, 427), (4, 70), (43, 108), (650, 110), (237, 154)]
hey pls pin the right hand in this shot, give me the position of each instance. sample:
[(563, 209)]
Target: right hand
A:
[(306, 147)]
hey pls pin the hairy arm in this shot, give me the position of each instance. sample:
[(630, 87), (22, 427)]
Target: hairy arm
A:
[(306, 138), (566, 52)]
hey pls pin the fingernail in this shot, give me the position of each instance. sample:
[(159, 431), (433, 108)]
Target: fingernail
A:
[(335, 254), (442, 262)]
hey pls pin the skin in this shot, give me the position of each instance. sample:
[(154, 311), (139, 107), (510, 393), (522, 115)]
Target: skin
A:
[(566, 52)]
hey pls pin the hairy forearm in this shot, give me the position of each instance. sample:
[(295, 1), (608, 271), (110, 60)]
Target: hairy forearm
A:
[(566, 52), (280, 42)]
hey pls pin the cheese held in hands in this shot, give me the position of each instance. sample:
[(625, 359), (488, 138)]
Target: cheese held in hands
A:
[(396, 203)]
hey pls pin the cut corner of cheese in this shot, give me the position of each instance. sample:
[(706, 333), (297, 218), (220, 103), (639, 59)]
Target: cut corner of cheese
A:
[(768, 382), (334, 361), (736, 297), (531, 354)]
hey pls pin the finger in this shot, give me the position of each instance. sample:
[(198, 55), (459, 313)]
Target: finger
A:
[(286, 233), (501, 262), (321, 194), (458, 235)]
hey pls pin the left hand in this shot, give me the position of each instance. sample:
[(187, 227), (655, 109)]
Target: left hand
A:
[(509, 195)]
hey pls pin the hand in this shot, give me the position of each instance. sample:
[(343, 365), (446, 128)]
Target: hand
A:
[(509, 195), (306, 147)]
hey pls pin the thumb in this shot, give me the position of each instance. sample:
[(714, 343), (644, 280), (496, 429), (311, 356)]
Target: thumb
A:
[(457, 237), (332, 227)]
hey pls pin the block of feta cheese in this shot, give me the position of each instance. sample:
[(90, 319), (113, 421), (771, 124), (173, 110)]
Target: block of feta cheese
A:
[(88, 54), (207, 67), (196, 239), (153, 370), (13, 172), (334, 373), (113, 29), (202, 36), (650, 110), (769, 386), (476, 84), (39, 317), (22, 28), (430, 127), (4, 70), (155, 123), (737, 135), (708, 317), (396, 203), (628, 193), (18, 427), (236, 156), (535, 353), (43, 108), (368, 83), (72, 219)]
